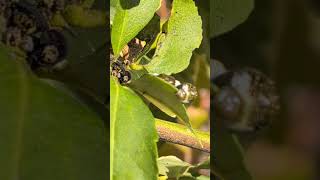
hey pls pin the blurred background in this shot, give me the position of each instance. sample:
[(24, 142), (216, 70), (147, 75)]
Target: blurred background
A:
[(282, 39)]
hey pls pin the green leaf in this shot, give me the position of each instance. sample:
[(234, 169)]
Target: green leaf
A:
[(77, 15), (112, 13), (133, 136), (86, 70), (203, 177), (163, 170), (114, 3), (228, 160), (227, 14), (129, 19), (161, 94), (150, 31), (46, 134), (204, 12), (184, 34), (174, 166), (203, 165), (201, 71)]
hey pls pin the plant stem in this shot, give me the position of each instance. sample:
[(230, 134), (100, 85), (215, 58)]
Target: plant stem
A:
[(180, 134)]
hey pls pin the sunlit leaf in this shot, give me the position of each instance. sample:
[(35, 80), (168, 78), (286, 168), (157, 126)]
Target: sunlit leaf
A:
[(184, 34), (175, 166), (133, 136), (162, 95)]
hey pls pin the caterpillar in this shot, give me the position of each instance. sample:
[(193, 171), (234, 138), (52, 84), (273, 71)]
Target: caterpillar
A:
[(186, 91)]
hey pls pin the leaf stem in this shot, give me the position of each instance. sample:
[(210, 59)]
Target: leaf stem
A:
[(180, 134)]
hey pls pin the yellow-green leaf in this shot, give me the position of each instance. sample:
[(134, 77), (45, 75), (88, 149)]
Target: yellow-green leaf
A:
[(184, 34), (133, 136), (162, 95)]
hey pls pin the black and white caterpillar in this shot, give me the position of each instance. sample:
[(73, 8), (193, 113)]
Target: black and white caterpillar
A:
[(186, 91), (119, 68)]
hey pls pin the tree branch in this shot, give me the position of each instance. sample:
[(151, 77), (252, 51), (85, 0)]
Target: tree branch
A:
[(180, 134)]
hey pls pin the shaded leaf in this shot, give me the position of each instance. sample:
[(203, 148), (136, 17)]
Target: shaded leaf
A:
[(133, 151), (46, 134), (85, 54), (203, 165), (150, 31), (77, 15), (204, 12), (129, 19), (227, 14), (184, 34), (228, 160), (201, 71)]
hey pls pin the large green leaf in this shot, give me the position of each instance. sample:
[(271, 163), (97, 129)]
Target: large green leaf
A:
[(184, 34), (129, 19), (133, 136), (46, 134), (227, 14)]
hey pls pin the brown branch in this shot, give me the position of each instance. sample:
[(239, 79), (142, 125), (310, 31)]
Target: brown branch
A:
[(179, 134)]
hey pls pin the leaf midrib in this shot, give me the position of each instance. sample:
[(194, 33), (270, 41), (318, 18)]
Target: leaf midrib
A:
[(113, 121), (121, 30), (21, 117)]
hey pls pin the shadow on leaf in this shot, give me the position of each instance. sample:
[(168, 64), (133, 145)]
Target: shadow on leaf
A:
[(129, 4)]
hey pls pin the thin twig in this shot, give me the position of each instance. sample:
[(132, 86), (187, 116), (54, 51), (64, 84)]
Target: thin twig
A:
[(180, 134)]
